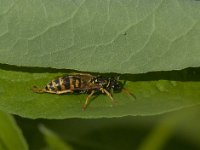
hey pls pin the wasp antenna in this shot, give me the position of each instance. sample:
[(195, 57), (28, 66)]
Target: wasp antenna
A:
[(129, 93)]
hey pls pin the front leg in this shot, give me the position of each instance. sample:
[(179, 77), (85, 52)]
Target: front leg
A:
[(109, 95)]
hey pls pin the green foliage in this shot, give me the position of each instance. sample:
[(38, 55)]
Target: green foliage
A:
[(152, 97), (53, 141), (101, 36), (10, 135), (174, 130), (136, 39), (97, 36)]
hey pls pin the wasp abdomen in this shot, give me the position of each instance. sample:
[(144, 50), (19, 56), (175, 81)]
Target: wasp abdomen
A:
[(54, 85), (64, 83)]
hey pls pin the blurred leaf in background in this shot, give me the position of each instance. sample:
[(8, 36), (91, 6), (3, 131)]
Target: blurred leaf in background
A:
[(11, 137), (52, 140), (175, 130)]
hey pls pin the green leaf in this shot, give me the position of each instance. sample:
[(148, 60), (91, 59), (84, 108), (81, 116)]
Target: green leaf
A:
[(152, 97), (101, 36), (54, 142), (11, 137)]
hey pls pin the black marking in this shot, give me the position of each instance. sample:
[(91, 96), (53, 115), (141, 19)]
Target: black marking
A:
[(50, 84), (56, 81), (74, 81), (57, 84), (59, 87), (51, 88), (46, 88), (66, 82), (79, 84)]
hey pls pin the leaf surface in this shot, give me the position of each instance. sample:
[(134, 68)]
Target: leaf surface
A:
[(101, 36), (152, 97)]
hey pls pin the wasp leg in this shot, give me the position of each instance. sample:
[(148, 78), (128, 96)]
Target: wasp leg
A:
[(53, 92), (65, 91), (109, 95), (111, 92), (88, 100), (129, 93)]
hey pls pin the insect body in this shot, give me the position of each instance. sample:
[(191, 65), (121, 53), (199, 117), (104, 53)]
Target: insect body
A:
[(83, 83)]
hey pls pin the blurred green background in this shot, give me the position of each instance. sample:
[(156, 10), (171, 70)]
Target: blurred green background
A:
[(178, 130)]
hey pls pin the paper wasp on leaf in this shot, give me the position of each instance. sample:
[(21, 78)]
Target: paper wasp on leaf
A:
[(84, 83)]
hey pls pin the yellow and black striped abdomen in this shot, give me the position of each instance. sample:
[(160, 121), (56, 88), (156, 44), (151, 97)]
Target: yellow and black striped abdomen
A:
[(64, 83), (74, 83), (54, 85)]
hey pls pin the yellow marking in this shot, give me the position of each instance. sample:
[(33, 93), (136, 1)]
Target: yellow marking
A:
[(77, 83), (48, 86), (61, 84), (65, 91), (53, 92), (108, 84), (71, 84), (54, 85), (102, 90)]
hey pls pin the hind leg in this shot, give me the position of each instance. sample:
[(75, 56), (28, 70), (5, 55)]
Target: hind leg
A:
[(88, 100), (65, 91)]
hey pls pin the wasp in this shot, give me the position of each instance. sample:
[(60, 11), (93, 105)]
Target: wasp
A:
[(83, 83)]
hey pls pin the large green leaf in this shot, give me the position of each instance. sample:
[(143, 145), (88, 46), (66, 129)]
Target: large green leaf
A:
[(11, 137), (132, 36), (152, 97)]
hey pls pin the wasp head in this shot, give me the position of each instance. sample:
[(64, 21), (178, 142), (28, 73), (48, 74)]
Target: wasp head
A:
[(115, 84), (109, 83)]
